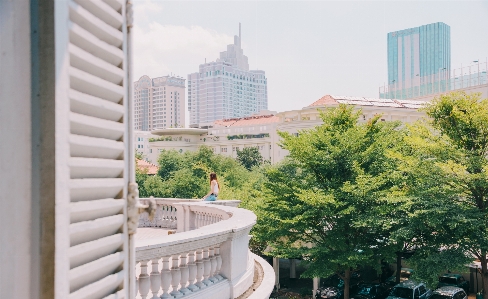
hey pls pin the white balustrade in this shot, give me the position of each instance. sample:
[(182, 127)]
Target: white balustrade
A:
[(166, 215), (207, 258)]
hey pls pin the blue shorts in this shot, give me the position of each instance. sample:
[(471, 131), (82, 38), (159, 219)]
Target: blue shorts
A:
[(211, 197)]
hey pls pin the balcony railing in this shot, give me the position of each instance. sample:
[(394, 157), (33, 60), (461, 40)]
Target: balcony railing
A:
[(207, 257)]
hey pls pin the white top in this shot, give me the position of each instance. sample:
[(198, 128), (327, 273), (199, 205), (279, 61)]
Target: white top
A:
[(215, 188)]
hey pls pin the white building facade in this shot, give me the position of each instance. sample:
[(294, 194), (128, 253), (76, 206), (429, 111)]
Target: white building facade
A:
[(226, 136), (159, 103), (226, 88)]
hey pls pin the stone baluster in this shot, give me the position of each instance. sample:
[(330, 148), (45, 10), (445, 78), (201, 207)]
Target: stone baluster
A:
[(176, 276), (158, 217), (164, 216), (155, 278), (206, 267), (137, 285), (173, 217), (200, 269), (185, 274), (192, 272), (205, 221), (166, 278), (198, 220), (213, 264), (218, 258), (144, 283)]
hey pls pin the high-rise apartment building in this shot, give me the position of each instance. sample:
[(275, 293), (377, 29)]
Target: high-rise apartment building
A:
[(226, 88), (159, 103), (419, 60)]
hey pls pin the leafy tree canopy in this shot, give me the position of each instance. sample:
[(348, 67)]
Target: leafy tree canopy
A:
[(185, 175), (329, 202), (444, 162), (249, 157)]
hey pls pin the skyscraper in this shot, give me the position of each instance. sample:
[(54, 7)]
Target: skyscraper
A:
[(419, 60), (159, 103), (226, 88)]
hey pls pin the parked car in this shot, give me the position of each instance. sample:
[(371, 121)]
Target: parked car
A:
[(333, 286), (405, 274), (410, 289), (449, 292), (453, 280), (372, 291)]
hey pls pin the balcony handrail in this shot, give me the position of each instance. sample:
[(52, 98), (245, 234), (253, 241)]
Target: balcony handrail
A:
[(241, 220)]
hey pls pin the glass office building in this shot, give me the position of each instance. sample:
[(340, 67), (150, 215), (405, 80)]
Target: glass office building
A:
[(419, 61)]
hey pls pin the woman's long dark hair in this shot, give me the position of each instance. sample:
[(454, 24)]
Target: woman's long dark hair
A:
[(213, 176)]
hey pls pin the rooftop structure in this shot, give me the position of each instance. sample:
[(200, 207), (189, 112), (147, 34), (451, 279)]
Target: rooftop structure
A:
[(226, 88), (146, 167)]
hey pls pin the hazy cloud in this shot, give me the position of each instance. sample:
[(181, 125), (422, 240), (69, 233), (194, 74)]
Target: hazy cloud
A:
[(162, 49)]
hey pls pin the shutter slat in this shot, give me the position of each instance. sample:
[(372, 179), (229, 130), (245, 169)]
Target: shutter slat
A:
[(98, 147), (115, 4), (95, 127), (93, 189), (93, 209), (95, 168), (90, 251), (92, 106), (102, 11), (93, 65), (94, 25), (87, 231), (90, 43), (84, 146), (119, 295), (95, 86), (96, 270), (103, 287)]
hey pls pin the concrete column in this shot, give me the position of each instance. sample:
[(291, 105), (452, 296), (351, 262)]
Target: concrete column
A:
[(276, 268), (293, 273), (316, 284)]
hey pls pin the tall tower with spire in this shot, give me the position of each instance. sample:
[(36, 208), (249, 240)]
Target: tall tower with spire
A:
[(234, 54), (226, 88)]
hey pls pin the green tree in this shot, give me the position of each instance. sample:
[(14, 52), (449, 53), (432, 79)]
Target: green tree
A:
[(329, 202), (169, 161), (249, 157), (185, 175), (445, 165)]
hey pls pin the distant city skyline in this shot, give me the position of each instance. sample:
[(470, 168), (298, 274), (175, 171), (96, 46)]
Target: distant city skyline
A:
[(308, 49)]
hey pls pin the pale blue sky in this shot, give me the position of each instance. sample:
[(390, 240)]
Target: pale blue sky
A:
[(307, 48)]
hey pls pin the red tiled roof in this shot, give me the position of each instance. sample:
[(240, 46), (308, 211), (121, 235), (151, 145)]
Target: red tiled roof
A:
[(147, 167), (247, 121), (325, 100)]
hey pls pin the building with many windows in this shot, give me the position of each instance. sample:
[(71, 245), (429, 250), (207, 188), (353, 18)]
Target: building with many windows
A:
[(227, 136), (159, 103), (419, 61), (226, 88)]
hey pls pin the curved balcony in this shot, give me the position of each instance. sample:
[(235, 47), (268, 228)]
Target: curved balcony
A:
[(194, 249)]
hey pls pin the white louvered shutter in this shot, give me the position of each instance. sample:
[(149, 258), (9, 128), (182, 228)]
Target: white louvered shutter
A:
[(98, 146)]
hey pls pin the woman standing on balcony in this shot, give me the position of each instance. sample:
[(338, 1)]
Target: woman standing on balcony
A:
[(214, 188)]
